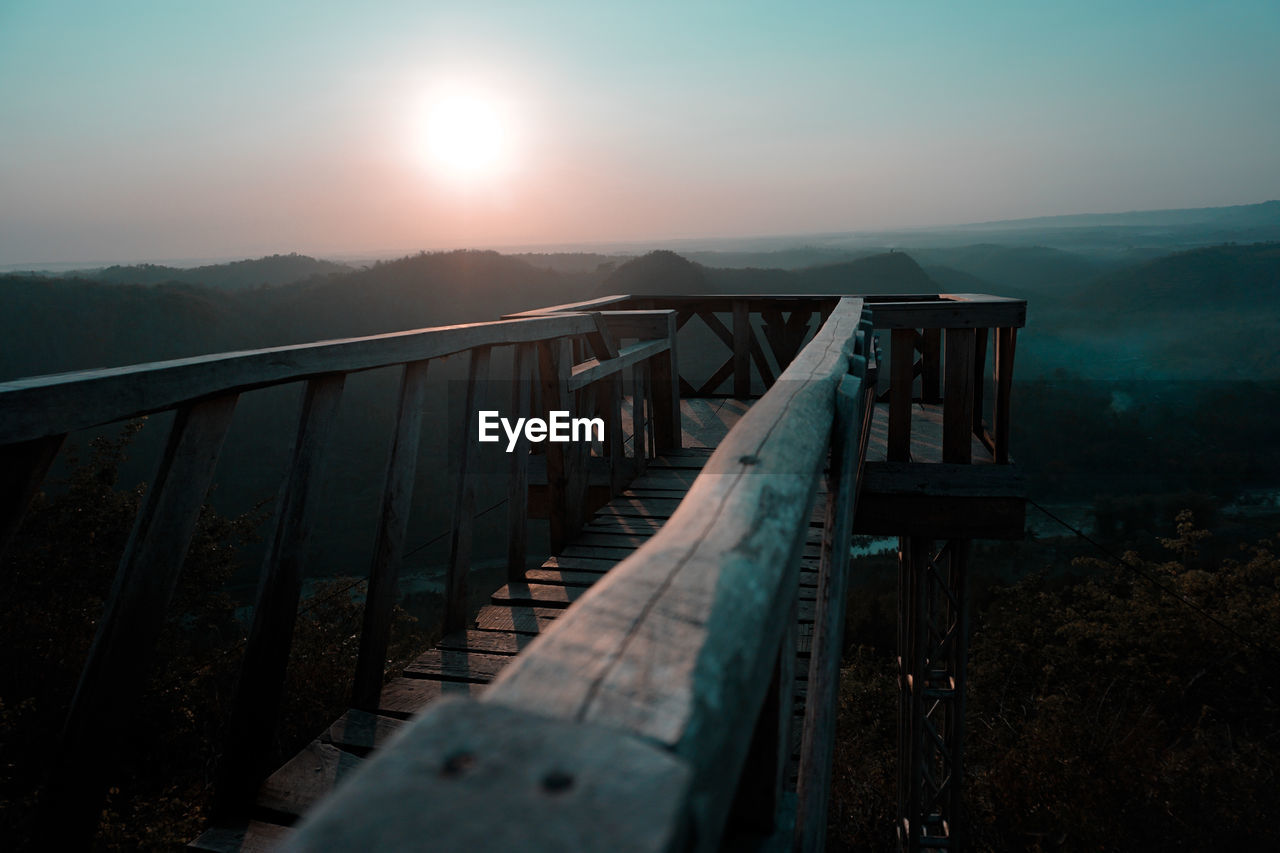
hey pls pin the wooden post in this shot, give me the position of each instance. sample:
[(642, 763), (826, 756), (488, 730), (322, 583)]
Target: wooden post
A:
[(665, 373), (464, 505), (518, 471), (553, 378), (957, 407), (1006, 343), (615, 444), (979, 381), (393, 522), (901, 381), (22, 468), (256, 709), (741, 350), (639, 421), (119, 659)]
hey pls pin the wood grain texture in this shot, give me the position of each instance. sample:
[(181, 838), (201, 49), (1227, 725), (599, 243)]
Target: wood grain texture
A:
[(469, 776), (311, 774), (676, 644), (901, 382), (464, 496), (957, 394), (518, 465), (52, 405)]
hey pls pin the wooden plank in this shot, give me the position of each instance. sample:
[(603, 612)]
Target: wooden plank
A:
[(901, 381), (489, 642), (626, 541), (560, 785), (979, 383), (360, 731), (742, 333), (678, 642), (665, 372), (566, 577), (536, 595), (580, 563), (553, 395), (52, 405), (645, 325), (404, 697), (260, 691), (957, 406), (603, 344), (518, 466), (455, 665), (464, 501), (119, 659), (393, 521), (592, 371), (311, 774), (522, 620), (948, 312), (1006, 344), (22, 469)]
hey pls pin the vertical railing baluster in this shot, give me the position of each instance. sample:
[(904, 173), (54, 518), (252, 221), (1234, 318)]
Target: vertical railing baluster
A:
[(741, 350), (979, 383), (256, 709), (393, 522), (901, 381), (464, 504), (119, 659), (518, 467), (957, 406), (553, 372), (1006, 343)]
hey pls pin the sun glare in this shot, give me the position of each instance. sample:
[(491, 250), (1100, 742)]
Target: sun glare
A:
[(465, 137)]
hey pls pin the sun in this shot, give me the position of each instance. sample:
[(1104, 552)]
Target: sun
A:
[(466, 137)]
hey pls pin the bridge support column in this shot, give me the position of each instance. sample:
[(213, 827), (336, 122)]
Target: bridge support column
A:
[(933, 644)]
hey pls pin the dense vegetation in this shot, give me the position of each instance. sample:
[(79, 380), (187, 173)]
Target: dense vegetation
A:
[(1103, 713)]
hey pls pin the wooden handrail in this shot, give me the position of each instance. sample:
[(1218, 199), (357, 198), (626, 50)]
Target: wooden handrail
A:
[(37, 412), (628, 723)]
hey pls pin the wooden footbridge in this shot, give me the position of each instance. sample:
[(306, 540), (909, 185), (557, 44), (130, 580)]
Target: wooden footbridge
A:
[(666, 679)]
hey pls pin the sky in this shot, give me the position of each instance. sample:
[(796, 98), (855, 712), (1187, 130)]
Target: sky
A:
[(134, 131)]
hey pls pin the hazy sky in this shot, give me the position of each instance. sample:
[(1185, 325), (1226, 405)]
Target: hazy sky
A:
[(163, 130)]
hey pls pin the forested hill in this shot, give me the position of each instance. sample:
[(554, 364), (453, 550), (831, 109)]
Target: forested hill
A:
[(261, 272)]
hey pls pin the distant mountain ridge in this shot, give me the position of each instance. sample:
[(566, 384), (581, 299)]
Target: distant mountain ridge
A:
[(273, 270), (1265, 213)]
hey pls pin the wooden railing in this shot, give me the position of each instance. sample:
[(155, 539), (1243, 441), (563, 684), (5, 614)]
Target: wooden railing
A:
[(579, 359), (654, 714)]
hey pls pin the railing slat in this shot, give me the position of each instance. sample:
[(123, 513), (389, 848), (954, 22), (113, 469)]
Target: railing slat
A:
[(902, 356), (256, 710), (518, 466), (388, 549), (120, 657), (957, 406), (742, 333), (464, 504), (1006, 344), (553, 380)]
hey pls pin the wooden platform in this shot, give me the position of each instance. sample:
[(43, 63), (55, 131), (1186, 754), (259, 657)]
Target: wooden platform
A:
[(465, 661)]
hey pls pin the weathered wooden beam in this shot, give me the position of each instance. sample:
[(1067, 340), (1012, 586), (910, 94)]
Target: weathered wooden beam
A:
[(469, 776), (950, 311), (553, 373), (464, 502), (393, 523), (591, 370), (901, 381), (603, 345), (957, 405), (979, 381), (931, 366), (518, 465), (1006, 344), (678, 642), (41, 406), (256, 708), (119, 659), (664, 370)]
